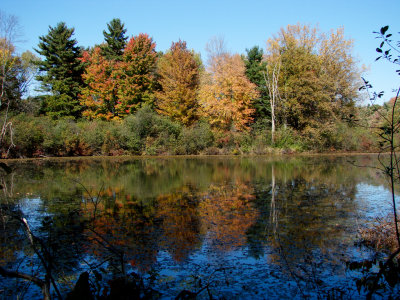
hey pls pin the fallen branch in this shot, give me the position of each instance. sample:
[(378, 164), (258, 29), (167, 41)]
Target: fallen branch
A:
[(40, 283)]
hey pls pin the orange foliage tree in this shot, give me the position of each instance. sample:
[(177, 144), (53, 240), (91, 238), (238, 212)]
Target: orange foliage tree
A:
[(180, 223), (179, 80), (136, 73), (227, 214), (226, 93), (99, 97), (117, 88)]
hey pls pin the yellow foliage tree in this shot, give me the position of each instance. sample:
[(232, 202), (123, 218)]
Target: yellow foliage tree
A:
[(226, 93), (179, 80)]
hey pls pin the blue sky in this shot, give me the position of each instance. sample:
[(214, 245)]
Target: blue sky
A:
[(243, 24)]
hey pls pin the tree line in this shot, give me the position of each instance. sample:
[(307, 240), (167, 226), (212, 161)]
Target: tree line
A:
[(303, 86)]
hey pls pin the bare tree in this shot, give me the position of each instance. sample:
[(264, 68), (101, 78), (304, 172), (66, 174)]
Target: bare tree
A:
[(216, 49), (271, 77)]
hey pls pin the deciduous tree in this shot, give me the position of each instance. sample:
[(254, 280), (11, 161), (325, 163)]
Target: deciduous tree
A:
[(318, 78), (179, 80), (226, 93), (136, 73), (99, 97)]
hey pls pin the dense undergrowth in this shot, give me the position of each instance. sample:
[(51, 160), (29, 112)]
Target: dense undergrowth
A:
[(147, 133)]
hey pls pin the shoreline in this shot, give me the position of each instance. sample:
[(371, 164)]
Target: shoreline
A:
[(127, 157)]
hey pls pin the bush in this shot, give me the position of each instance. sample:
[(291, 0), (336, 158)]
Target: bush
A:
[(29, 135), (148, 133), (286, 138), (195, 139), (93, 134)]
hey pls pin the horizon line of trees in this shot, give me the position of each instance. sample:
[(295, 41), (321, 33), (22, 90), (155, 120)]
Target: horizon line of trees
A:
[(318, 76), (305, 80)]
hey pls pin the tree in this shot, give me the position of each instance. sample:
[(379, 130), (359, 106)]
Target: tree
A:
[(17, 72), (115, 40), (318, 78), (136, 73), (100, 95), (179, 79), (10, 78), (271, 78), (255, 68), (226, 93), (60, 72), (9, 71), (307, 102)]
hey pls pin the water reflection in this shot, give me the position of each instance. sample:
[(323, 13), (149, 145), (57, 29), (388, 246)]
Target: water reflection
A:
[(297, 216)]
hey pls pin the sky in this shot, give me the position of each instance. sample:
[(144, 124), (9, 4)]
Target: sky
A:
[(242, 24)]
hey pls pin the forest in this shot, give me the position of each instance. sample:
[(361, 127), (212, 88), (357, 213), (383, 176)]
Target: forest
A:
[(123, 97)]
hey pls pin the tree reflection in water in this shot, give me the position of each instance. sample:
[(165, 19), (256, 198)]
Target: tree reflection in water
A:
[(273, 227)]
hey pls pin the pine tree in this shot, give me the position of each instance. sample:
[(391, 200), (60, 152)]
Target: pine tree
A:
[(255, 69), (115, 40), (60, 72)]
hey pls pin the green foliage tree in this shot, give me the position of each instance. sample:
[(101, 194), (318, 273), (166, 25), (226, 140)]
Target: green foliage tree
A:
[(255, 68), (307, 103), (318, 79), (60, 72), (115, 40), (179, 79)]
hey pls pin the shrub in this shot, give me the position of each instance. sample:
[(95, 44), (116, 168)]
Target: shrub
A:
[(286, 138), (381, 235), (93, 134), (195, 139), (28, 135)]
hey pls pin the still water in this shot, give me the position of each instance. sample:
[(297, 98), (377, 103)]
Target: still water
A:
[(245, 227)]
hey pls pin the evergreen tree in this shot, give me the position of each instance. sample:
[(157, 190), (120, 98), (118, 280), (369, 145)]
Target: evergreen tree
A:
[(115, 40), (255, 68), (60, 72)]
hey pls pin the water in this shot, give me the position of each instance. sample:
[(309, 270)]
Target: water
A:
[(246, 227)]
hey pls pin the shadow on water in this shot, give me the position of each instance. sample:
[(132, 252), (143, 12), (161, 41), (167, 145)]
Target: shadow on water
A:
[(229, 227)]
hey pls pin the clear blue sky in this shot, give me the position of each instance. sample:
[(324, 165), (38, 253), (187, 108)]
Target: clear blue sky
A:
[(243, 24)]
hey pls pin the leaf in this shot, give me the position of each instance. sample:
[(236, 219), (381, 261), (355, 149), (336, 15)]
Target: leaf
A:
[(388, 35), (378, 58), (379, 50), (384, 29), (381, 44)]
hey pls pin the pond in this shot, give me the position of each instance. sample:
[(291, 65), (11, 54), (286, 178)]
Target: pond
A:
[(230, 227)]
